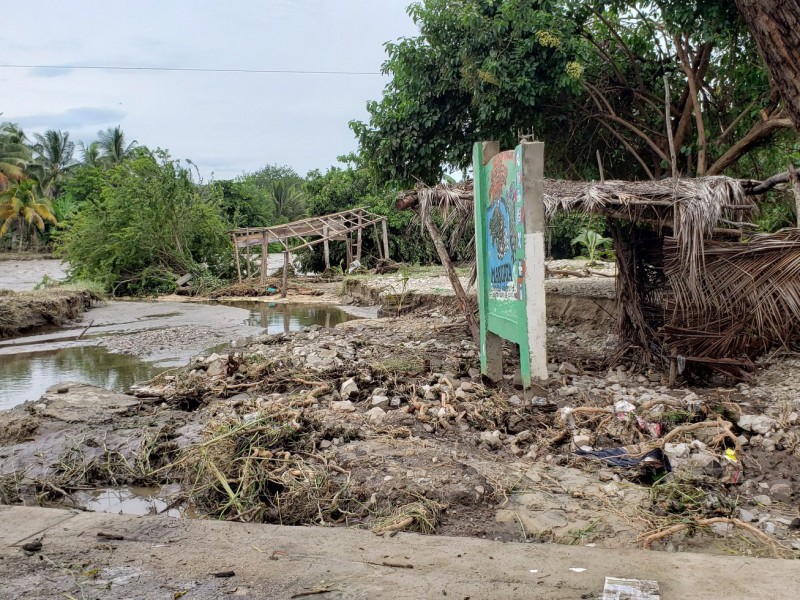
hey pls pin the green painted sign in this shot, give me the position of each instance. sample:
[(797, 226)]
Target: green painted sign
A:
[(509, 239)]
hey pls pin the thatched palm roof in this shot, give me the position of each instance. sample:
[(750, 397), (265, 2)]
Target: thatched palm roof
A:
[(692, 289)]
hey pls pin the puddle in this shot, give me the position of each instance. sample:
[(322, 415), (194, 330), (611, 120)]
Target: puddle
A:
[(27, 376), (27, 371), (283, 318), (141, 501)]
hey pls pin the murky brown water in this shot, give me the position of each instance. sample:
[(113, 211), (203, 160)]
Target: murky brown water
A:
[(26, 375)]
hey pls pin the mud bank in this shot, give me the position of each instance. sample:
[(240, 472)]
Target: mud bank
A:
[(25, 311)]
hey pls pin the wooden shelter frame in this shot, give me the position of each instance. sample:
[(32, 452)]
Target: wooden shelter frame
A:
[(323, 230)]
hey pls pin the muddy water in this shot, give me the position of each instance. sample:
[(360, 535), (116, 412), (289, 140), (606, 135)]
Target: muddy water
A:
[(30, 365)]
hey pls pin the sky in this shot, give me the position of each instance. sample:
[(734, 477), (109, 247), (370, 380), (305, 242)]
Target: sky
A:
[(226, 123)]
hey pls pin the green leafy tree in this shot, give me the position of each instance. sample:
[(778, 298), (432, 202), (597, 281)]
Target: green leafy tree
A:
[(479, 70), (151, 221), (279, 185), (352, 186), (244, 205)]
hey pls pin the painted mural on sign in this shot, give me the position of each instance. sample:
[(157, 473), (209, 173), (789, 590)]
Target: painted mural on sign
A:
[(505, 232)]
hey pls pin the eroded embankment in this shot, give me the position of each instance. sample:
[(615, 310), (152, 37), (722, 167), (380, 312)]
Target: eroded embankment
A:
[(25, 311)]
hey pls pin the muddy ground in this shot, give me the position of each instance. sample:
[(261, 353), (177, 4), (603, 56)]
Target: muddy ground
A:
[(387, 425)]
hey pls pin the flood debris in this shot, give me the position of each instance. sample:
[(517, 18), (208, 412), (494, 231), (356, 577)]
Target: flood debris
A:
[(387, 425), (23, 311)]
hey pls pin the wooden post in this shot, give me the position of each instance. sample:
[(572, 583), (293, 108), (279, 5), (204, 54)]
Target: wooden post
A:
[(263, 257), (326, 247), (461, 295), (349, 250), (236, 256), (247, 253), (285, 279), (796, 189), (378, 241), (385, 230), (358, 239)]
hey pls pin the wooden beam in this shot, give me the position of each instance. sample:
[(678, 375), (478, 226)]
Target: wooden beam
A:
[(247, 258), (461, 295), (349, 253)]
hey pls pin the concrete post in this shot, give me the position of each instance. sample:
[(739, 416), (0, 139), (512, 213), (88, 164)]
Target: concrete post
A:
[(533, 192)]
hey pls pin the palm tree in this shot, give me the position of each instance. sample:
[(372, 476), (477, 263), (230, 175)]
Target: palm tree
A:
[(15, 155), (54, 153), (19, 204), (112, 145), (91, 154), (288, 200)]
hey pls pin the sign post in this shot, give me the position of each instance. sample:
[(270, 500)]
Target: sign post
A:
[(509, 239)]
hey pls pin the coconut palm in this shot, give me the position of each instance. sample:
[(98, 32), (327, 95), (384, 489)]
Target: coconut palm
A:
[(91, 154), (113, 147), (287, 199), (54, 153), (20, 204), (15, 155)]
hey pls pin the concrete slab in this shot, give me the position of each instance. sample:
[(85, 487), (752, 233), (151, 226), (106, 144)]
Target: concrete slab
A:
[(81, 403), (167, 558)]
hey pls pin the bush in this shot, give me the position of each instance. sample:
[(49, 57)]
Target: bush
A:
[(148, 223)]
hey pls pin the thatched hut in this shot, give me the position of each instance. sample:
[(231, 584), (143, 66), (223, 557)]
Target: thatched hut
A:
[(698, 290)]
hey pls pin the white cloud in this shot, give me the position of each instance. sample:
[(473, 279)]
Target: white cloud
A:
[(225, 122)]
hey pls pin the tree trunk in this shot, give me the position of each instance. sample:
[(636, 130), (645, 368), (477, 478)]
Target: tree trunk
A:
[(775, 25)]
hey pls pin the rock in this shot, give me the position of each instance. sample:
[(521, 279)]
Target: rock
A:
[(769, 528), (349, 388), (491, 438), (343, 406), (461, 394), (623, 406), (722, 529), (762, 499), (768, 444), (676, 450), (376, 415), (467, 386), (581, 441), (216, 369), (782, 492), (567, 368), (325, 444), (380, 400), (514, 400), (756, 423), (568, 391), (395, 402), (746, 516), (793, 418), (474, 373)]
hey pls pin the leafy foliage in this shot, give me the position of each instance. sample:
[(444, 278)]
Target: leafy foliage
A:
[(149, 222), (352, 186)]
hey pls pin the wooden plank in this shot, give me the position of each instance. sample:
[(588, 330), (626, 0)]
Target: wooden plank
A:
[(349, 253)]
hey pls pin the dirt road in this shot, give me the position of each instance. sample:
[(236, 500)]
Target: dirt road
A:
[(109, 556)]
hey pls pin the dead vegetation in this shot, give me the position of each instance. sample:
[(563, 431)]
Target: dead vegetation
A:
[(21, 311)]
